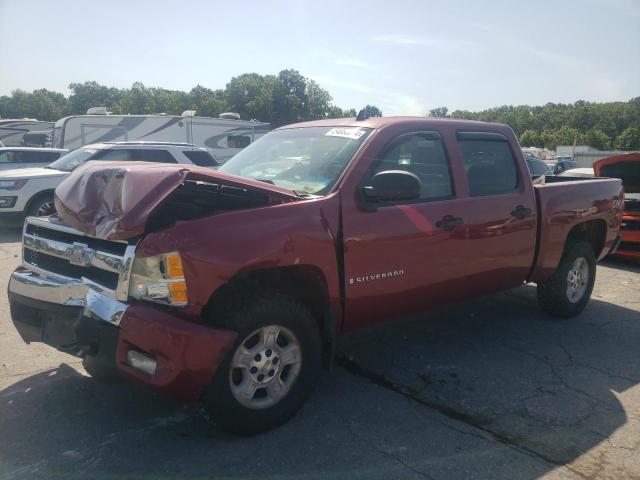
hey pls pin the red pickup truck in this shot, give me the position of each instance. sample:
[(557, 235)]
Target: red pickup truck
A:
[(229, 287)]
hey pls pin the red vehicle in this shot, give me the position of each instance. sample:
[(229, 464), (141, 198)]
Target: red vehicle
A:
[(627, 168), (229, 287)]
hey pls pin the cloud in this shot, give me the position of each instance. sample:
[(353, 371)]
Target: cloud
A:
[(339, 58), (390, 102), (438, 43)]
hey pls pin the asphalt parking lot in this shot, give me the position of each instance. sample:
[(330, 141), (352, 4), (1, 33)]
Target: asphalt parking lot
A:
[(487, 389)]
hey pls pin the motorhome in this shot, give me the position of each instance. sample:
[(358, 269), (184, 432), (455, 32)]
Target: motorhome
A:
[(223, 137), (12, 131)]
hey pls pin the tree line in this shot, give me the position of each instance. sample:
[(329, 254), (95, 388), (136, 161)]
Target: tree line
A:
[(600, 125), (287, 97)]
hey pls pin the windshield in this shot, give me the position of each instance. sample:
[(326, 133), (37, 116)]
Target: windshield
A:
[(307, 160), (73, 159)]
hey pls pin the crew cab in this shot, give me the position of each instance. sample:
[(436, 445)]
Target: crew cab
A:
[(29, 191), (229, 287)]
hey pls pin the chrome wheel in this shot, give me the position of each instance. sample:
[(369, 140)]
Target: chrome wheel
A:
[(577, 279), (265, 366), (45, 209)]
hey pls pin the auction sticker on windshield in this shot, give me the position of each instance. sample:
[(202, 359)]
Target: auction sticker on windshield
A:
[(353, 133)]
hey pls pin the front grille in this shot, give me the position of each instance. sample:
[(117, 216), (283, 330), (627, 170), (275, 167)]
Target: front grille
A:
[(51, 246), (62, 266), (631, 225), (116, 248), (629, 247)]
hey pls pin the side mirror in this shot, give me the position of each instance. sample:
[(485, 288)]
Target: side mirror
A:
[(392, 185)]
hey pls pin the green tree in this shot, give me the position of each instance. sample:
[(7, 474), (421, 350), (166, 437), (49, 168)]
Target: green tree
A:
[(530, 138), (441, 112), (629, 139), (597, 139), (372, 111)]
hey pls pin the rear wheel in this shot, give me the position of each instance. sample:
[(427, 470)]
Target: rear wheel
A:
[(568, 290), (272, 367)]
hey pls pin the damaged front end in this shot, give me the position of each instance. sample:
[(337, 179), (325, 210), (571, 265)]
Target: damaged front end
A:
[(120, 201), (82, 290)]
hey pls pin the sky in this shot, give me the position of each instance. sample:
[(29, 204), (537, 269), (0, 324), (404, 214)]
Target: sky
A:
[(404, 56)]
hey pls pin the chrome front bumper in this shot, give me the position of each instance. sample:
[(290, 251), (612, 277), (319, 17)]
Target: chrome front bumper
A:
[(67, 292)]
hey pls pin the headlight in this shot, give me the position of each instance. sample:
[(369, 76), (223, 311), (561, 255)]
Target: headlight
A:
[(13, 184), (159, 279)]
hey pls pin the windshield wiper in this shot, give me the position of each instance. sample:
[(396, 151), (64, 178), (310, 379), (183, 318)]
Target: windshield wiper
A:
[(265, 180)]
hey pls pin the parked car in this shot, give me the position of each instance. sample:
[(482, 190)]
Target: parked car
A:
[(627, 168), (230, 286), (562, 165), (537, 167), (223, 137), (29, 191), (25, 157), (577, 172)]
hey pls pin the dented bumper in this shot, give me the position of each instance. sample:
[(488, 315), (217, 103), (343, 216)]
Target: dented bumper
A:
[(73, 317)]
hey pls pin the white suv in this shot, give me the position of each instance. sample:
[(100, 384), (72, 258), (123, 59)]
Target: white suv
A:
[(29, 191)]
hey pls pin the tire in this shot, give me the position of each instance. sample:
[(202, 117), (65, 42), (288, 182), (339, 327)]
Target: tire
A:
[(100, 370), (269, 326), (41, 206), (567, 292)]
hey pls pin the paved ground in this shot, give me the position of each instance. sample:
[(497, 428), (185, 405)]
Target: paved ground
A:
[(488, 389)]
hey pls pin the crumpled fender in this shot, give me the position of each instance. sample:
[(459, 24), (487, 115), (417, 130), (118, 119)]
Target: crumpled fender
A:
[(113, 200)]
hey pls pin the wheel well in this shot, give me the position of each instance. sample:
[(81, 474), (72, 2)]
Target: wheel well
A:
[(304, 283), (36, 197), (594, 232)]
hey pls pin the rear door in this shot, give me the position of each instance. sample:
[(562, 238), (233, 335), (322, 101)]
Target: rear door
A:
[(500, 213)]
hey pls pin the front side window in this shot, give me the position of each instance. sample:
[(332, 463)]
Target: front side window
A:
[(422, 154), (156, 156), (307, 160), (74, 159), (38, 157), (489, 164)]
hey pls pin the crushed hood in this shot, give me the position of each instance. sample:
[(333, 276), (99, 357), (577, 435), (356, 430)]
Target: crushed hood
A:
[(625, 167), (116, 200)]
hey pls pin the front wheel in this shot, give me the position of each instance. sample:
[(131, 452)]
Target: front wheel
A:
[(42, 206), (568, 290), (272, 367)]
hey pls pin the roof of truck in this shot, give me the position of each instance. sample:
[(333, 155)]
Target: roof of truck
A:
[(378, 122)]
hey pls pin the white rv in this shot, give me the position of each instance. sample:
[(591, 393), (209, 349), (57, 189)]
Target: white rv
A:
[(12, 131), (223, 137)]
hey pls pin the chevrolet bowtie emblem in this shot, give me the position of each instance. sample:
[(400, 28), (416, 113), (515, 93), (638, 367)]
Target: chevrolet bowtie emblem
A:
[(81, 254)]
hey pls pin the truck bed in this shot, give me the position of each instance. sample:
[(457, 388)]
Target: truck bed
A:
[(564, 203)]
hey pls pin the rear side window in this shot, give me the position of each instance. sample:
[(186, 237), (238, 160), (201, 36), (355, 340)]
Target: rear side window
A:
[(423, 154), (38, 157), (200, 158), (157, 156), (489, 163)]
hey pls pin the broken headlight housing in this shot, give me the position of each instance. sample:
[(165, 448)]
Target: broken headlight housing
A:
[(159, 279)]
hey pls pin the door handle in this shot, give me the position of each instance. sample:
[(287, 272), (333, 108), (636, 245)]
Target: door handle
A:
[(521, 212), (449, 223)]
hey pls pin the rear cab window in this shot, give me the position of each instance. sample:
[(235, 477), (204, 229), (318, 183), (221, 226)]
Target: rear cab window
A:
[(489, 163), (423, 154)]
